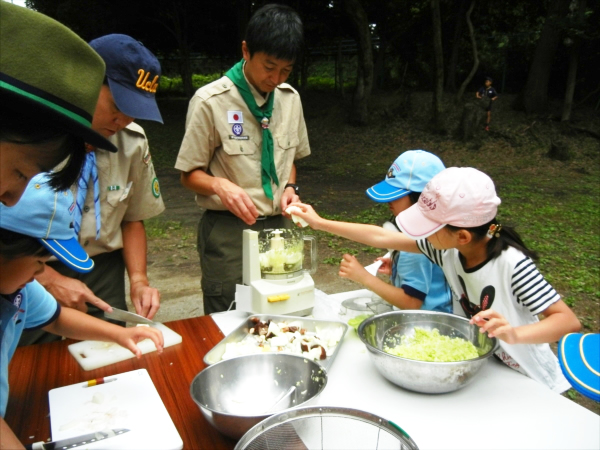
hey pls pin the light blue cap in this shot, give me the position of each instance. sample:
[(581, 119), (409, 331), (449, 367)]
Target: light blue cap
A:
[(47, 215), (411, 172)]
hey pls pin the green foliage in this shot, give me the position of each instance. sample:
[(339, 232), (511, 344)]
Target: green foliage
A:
[(174, 85), (332, 260), (572, 394)]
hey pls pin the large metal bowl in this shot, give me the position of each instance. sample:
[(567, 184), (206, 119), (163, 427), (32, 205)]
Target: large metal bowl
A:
[(235, 394), (424, 376)]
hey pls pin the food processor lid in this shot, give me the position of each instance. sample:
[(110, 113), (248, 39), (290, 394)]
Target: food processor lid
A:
[(357, 304)]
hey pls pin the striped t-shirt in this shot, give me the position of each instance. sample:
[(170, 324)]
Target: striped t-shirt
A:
[(511, 285)]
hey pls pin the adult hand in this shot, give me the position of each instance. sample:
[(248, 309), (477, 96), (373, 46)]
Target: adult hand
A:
[(353, 270), (69, 292), (145, 299), (129, 337), (236, 200), (386, 265), (287, 198), (496, 325)]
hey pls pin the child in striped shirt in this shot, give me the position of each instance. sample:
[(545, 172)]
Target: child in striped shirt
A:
[(489, 268)]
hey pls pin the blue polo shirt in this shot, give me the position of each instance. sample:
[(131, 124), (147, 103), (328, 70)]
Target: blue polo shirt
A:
[(422, 279), (31, 307)]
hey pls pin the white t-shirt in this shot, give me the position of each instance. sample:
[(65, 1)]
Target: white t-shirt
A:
[(512, 285)]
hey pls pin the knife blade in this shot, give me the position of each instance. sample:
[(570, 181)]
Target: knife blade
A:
[(126, 316), (77, 440)]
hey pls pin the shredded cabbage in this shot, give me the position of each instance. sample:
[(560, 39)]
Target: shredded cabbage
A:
[(428, 345), (356, 321)]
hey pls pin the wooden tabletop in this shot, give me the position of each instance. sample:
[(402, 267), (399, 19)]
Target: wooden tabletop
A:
[(36, 369)]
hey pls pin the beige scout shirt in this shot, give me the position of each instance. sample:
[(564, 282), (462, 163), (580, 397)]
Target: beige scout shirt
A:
[(131, 164), (212, 144)]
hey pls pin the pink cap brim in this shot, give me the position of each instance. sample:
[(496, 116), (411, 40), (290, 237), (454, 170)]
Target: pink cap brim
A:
[(415, 225)]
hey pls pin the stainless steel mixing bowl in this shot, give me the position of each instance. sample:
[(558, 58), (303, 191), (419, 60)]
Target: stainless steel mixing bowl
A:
[(424, 376), (235, 394)]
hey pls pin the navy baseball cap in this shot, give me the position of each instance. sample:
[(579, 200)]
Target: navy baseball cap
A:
[(579, 358), (411, 171), (47, 215), (133, 73)]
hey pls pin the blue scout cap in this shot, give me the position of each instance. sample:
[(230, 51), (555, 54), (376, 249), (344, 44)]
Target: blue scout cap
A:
[(47, 215), (579, 358), (133, 73), (411, 171)]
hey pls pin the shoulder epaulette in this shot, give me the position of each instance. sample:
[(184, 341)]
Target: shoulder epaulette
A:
[(135, 128), (217, 87), (287, 87)]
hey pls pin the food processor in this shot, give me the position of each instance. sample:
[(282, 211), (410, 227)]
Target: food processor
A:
[(274, 277)]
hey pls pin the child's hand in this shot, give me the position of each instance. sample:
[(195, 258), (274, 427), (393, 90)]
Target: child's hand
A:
[(386, 266), (353, 270), (129, 337), (307, 213), (495, 325)]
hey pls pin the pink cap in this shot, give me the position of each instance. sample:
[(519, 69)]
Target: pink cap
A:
[(457, 196)]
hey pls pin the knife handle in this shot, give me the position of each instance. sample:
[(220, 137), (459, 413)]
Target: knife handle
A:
[(40, 446)]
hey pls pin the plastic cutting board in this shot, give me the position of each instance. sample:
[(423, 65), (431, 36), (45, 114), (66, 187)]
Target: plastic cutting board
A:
[(95, 354), (131, 401)]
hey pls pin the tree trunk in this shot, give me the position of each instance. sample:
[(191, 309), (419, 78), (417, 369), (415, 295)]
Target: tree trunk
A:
[(458, 27), (177, 24), (364, 75), (243, 10), (304, 71), (186, 70), (438, 90), (535, 95), (380, 73), (470, 120), (465, 83), (573, 62), (339, 64)]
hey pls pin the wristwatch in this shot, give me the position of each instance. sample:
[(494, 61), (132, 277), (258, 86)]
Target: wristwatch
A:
[(294, 186)]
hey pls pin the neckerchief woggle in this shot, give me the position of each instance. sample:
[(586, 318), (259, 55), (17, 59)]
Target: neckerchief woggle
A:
[(262, 115)]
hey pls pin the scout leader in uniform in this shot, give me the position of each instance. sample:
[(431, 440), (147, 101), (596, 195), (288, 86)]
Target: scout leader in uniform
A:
[(116, 192), (243, 134)]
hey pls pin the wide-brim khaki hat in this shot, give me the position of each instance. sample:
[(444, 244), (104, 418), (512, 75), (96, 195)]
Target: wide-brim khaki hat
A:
[(47, 71)]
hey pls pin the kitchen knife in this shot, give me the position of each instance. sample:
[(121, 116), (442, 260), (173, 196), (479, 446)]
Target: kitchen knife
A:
[(126, 316), (77, 440)]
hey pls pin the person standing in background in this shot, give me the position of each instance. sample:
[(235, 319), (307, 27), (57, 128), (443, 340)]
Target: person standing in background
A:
[(243, 134), (487, 92)]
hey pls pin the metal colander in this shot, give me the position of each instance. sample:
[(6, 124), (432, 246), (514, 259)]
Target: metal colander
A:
[(324, 427)]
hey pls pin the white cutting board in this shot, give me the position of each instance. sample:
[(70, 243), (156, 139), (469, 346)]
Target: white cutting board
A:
[(131, 402), (95, 354)]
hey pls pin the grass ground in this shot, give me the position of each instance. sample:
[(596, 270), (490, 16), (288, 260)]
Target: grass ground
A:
[(553, 204)]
